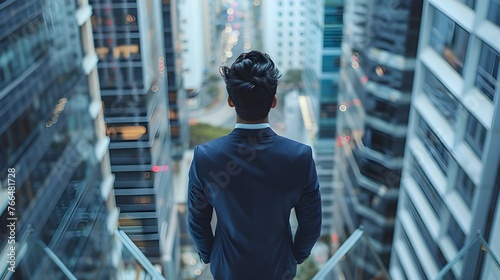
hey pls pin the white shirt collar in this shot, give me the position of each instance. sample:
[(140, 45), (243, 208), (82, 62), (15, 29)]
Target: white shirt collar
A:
[(252, 125)]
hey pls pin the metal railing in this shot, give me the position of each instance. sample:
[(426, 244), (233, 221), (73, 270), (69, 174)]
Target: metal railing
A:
[(357, 259)]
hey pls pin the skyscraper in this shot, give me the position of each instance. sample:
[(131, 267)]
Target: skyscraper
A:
[(329, 84), (179, 127), (450, 185), (129, 38), (292, 33), (379, 48), (57, 188), (192, 40)]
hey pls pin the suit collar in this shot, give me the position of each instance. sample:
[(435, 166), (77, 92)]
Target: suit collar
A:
[(252, 125), (264, 132)]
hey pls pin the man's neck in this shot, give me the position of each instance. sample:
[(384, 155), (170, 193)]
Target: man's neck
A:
[(238, 120)]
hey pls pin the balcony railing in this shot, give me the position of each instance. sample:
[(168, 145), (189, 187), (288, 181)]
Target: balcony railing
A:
[(357, 259), (34, 259)]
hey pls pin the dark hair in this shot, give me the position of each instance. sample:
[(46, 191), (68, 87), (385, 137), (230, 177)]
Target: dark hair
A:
[(251, 82)]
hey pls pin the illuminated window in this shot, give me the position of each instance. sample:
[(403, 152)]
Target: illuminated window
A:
[(449, 40), (126, 132)]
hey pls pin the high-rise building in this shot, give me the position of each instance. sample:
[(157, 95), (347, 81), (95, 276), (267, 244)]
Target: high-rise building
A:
[(56, 187), (329, 84), (450, 185), (378, 58), (179, 127), (129, 38), (292, 33), (192, 38)]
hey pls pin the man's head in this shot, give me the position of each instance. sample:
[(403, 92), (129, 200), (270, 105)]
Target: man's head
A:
[(251, 83)]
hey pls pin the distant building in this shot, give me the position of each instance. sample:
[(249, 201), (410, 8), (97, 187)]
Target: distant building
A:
[(292, 32), (129, 39), (177, 97), (328, 97), (52, 139), (378, 59), (450, 182), (193, 49)]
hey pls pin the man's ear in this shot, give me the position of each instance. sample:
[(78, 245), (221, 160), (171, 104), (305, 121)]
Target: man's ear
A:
[(275, 101), (230, 102)]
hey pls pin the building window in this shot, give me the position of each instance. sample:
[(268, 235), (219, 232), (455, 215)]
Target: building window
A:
[(383, 143), (429, 241), (469, 3), (449, 40), (413, 255), (440, 96), (455, 232), (494, 12), (475, 135), (434, 145), (427, 188), (332, 37), (386, 110), (465, 187), (377, 172), (331, 63), (398, 265), (487, 71)]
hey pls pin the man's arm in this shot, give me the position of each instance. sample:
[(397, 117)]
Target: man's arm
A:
[(199, 215), (308, 212)]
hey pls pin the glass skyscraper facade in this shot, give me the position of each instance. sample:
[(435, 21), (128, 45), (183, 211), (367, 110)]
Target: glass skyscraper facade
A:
[(179, 126), (52, 137), (129, 38), (378, 54), (449, 186), (328, 93)]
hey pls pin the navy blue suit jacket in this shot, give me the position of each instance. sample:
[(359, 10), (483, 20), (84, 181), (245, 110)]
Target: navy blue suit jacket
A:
[(253, 178)]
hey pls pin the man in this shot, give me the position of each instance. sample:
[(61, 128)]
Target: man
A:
[(253, 178)]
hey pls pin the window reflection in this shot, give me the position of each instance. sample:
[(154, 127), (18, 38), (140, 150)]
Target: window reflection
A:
[(456, 233), (494, 12), (386, 110), (415, 260), (440, 96), (469, 3), (434, 145), (383, 142), (427, 188), (376, 171), (475, 135), (449, 40), (465, 187), (431, 245), (487, 71)]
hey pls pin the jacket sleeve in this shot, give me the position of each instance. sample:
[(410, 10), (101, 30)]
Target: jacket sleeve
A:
[(308, 212), (199, 214)]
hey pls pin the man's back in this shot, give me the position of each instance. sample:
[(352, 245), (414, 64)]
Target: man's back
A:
[(253, 178)]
